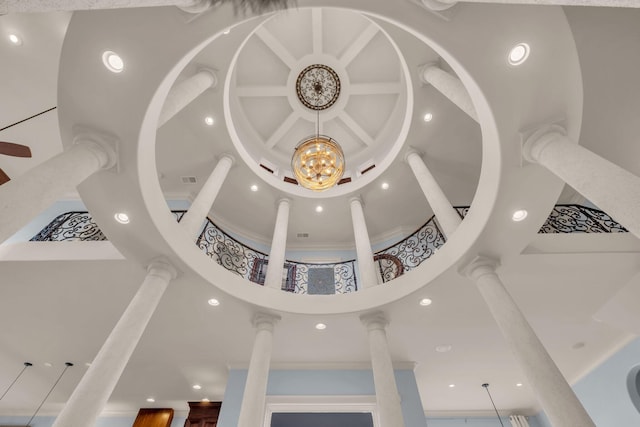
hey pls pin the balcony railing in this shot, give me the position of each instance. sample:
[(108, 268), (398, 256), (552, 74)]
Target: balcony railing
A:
[(329, 278)]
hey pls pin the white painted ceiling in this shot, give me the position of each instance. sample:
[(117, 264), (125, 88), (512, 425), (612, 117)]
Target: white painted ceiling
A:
[(58, 311)]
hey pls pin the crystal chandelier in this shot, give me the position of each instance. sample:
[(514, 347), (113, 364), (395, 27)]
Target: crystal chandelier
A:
[(318, 161)]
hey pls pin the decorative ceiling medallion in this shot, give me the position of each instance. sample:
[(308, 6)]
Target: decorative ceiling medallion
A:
[(318, 87)]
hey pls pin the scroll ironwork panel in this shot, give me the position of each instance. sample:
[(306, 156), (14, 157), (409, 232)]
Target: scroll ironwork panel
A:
[(580, 219), (344, 277), (70, 227)]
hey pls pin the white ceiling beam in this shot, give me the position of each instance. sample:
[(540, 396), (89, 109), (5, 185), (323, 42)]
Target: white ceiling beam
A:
[(358, 45), (316, 30), (380, 88), (260, 91), (354, 127), (276, 47), (282, 130)]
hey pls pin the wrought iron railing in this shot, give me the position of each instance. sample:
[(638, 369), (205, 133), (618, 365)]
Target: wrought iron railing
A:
[(409, 253), (306, 278)]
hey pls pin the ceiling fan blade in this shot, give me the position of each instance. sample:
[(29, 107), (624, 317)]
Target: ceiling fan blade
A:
[(15, 150), (4, 177)]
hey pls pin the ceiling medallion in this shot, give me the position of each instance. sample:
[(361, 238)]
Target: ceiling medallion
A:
[(318, 87)]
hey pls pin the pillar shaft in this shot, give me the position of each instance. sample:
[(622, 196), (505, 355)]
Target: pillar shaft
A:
[(24, 197), (387, 397), (273, 278), (183, 94), (558, 400), (97, 384), (446, 215), (451, 87), (202, 204), (364, 254), (34, 6), (607, 185), (255, 389)]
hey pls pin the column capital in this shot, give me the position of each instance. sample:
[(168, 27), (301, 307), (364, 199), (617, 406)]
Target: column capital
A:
[(535, 143), (480, 266), (196, 6), (212, 73), (412, 152), (265, 321), (376, 320), (422, 70), (102, 145), (227, 157), (356, 199), (283, 200), (161, 267)]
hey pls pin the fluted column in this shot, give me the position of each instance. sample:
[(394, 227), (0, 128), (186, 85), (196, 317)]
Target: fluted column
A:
[(558, 400), (611, 188), (446, 215), (446, 4), (273, 278), (255, 389), (197, 213), (364, 253), (450, 86), (97, 384), (387, 397), (26, 196), (183, 94), (34, 6)]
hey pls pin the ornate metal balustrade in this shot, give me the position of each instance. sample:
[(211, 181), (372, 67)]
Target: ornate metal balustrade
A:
[(410, 252), (340, 277)]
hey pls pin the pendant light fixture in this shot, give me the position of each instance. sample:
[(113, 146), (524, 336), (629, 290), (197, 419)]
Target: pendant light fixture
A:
[(486, 387), (67, 365), (26, 365)]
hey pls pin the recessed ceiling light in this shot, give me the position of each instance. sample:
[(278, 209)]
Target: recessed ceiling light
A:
[(122, 218), (227, 31), (384, 185), (254, 187), (150, 399), (87, 364), (427, 117), (205, 400), (15, 39), (519, 215), (425, 302), (519, 54), (214, 302), (443, 348), (112, 61), (519, 385), (209, 120), (319, 208), (321, 326), (48, 364), (197, 387), (452, 385)]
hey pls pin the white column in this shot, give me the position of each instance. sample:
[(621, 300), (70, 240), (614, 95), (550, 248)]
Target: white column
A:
[(450, 86), (97, 384), (34, 6), (185, 92), (446, 215), (24, 197), (611, 188), (273, 278), (446, 4), (197, 213), (255, 389), (387, 397), (560, 404), (364, 254)]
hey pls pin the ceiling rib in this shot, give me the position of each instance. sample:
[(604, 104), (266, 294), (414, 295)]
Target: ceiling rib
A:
[(316, 30), (276, 47), (261, 91), (381, 88), (356, 128), (277, 136), (358, 45)]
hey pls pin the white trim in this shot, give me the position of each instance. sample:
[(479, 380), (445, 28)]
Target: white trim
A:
[(321, 404)]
